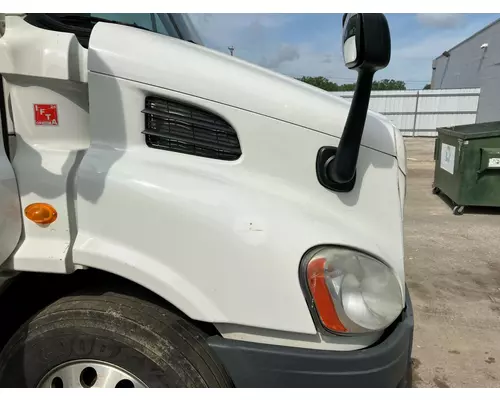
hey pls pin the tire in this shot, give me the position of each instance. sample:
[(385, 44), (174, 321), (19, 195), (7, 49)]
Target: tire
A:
[(436, 190), (152, 344)]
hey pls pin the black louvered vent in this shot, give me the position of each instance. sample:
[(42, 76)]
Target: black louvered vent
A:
[(186, 129)]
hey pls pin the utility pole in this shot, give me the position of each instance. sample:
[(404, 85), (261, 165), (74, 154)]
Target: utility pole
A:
[(231, 49)]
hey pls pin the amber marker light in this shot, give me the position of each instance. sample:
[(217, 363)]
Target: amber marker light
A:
[(321, 296), (41, 213)]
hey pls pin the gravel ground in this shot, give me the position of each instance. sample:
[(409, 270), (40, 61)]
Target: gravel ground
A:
[(453, 273)]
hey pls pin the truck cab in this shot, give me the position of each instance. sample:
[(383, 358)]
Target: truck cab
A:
[(172, 216)]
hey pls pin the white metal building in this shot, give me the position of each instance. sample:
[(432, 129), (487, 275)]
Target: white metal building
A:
[(473, 63), (420, 112)]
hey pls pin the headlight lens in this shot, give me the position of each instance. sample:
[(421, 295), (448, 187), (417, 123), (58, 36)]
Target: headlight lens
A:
[(353, 292)]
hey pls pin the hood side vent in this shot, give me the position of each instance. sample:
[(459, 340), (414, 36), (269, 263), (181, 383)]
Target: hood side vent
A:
[(183, 128)]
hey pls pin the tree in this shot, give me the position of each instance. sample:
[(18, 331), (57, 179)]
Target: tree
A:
[(388, 84), (427, 87), (325, 84), (320, 82)]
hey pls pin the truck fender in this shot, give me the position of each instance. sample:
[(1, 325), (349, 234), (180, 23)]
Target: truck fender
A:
[(124, 261)]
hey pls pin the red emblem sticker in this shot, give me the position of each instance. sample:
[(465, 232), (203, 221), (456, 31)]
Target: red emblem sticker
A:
[(46, 114)]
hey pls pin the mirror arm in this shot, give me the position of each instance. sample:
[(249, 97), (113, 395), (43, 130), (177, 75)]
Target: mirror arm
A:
[(341, 168), (368, 52)]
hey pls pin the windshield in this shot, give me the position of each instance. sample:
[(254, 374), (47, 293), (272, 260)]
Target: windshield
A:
[(175, 25)]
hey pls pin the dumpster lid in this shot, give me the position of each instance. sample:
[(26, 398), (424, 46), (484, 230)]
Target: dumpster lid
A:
[(473, 131)]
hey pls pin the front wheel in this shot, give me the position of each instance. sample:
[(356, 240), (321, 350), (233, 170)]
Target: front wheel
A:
[(108, 340)]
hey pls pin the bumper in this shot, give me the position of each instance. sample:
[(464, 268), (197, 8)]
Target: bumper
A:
[(386, 364)]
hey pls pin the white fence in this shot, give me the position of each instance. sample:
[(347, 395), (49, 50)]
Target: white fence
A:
[(420, 112)]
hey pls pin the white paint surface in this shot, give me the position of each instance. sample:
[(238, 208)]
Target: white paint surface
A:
[(222, 241), (174, 64), (45, 67), (10, 207)]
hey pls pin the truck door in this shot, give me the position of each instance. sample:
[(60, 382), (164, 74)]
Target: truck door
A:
[(10, 207)]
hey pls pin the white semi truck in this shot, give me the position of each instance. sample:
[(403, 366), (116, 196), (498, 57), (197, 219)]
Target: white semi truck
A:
[(171, 216)]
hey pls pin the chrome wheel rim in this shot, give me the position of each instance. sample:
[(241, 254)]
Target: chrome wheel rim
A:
[(89, 374)]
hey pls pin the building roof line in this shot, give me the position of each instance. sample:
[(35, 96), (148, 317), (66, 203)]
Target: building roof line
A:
[(470, 37)]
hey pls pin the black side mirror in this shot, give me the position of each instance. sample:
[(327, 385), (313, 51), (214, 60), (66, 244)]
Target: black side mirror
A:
[(366, 48), (366, 41)]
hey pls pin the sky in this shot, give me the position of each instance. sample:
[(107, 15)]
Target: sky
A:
[(310, 44)]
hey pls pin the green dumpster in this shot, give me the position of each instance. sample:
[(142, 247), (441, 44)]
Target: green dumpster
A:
[(467, 165)]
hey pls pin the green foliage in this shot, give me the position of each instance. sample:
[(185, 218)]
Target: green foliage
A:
[(325, 84), (320, 82), (388, 84), (427, 87)]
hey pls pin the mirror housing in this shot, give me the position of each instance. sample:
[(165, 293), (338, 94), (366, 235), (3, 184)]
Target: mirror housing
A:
[(367, 49), (366, 41)]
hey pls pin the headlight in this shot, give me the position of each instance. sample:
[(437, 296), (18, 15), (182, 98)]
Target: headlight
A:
[(352, 292)]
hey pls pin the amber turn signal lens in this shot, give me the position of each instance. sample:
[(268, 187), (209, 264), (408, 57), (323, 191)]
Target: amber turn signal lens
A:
[(321, 295), (41, 213)]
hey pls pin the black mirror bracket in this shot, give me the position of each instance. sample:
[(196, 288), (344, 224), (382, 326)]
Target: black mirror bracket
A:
[(324, 159)]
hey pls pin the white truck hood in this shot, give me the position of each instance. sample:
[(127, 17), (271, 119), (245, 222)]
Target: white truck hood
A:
[(195, 70)]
